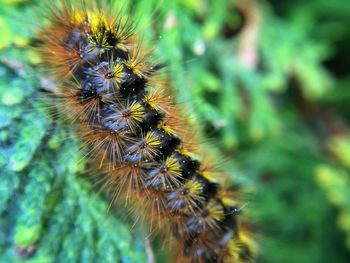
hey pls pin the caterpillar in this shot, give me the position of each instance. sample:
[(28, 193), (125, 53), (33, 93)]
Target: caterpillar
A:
[(123, 111)]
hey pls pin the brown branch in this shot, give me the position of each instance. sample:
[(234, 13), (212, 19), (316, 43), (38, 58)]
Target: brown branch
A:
[(45, 83), (149, 251), (248, 44)]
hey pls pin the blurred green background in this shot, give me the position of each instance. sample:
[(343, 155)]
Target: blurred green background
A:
[(269, 83)]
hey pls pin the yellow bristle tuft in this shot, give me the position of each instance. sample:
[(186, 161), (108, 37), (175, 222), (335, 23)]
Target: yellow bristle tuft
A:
[(136, 111), (152, 140), (215, 210), (172, 166)]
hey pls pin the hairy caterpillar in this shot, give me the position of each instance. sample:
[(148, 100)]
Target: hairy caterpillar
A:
[(137, 136)]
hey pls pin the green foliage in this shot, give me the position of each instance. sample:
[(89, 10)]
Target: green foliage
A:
[(336, 184), (281, 121)]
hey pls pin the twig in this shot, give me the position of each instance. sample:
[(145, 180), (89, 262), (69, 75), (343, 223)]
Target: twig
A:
[(15, 65), (248, 46), (149, 251), (20, 70)]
